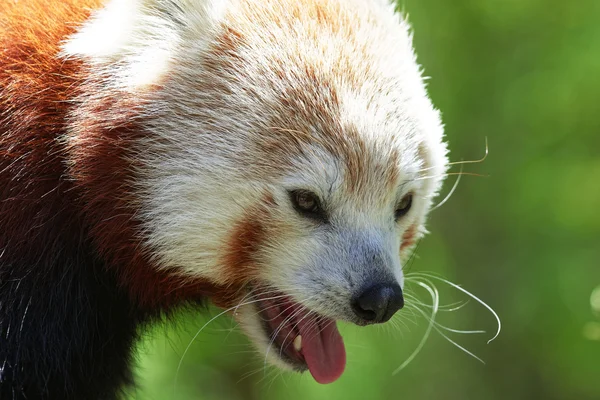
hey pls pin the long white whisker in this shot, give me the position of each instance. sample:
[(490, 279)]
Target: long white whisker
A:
[(441, 203), (459, 306), (249, 374), (490, 309), (436, 300), (437, 324), (445, 308), (437, 328), (459, 346), (462, 162), (482, 159), (451, 174)]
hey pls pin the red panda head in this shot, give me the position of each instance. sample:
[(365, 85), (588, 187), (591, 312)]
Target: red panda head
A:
[(288, 153)]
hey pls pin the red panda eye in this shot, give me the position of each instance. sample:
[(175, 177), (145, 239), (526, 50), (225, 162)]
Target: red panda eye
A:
[(404, 206), (306, 201), (307, 204)]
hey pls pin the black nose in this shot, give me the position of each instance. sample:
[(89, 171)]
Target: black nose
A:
[(378, 303)]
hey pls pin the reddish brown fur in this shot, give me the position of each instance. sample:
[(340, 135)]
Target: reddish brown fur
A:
[(34, 88), (409, 237), (37, 90), (241, 258)]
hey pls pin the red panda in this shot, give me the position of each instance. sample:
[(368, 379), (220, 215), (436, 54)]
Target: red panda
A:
[(274, 157)]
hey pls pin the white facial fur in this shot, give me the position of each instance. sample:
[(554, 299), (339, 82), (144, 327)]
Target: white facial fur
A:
[(225, 124)]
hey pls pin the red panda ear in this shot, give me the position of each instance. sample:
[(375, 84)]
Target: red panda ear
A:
[(138, 37)]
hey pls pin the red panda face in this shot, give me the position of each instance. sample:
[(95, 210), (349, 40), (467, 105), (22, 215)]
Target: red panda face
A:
[(290, 154), (321, 248)]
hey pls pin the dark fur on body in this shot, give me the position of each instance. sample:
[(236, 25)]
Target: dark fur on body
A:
[(66, 328)]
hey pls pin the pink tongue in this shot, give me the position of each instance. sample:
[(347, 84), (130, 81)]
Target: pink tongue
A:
[(323, 349)]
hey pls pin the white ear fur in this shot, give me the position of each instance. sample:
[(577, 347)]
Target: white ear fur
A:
[(139, 36)]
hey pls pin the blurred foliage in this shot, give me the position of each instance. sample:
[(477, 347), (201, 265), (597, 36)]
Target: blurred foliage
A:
[(526, 75)]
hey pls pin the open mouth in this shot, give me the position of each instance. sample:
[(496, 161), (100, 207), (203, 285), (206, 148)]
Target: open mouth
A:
[(302, 337)]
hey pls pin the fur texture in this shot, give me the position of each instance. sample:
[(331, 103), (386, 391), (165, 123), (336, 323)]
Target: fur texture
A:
[(147, 152)]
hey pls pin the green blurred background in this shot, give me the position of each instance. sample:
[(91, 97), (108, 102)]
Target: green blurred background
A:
[(526, 75)]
